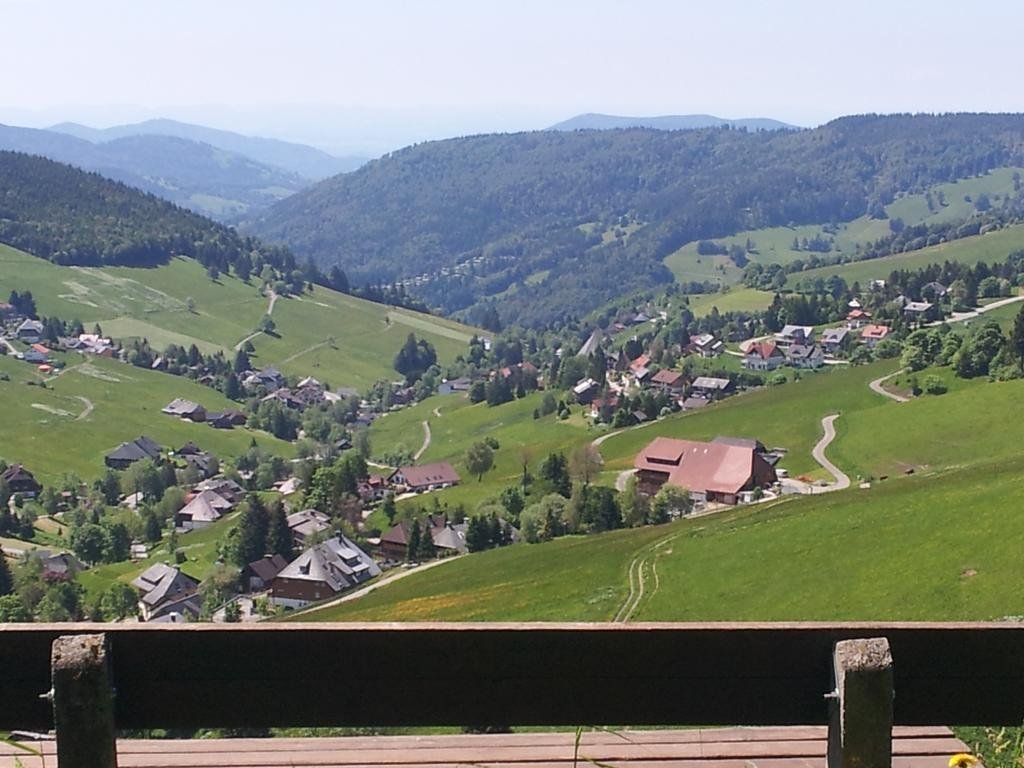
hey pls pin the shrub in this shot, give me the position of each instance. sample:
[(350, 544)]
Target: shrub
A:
[(933, 385)]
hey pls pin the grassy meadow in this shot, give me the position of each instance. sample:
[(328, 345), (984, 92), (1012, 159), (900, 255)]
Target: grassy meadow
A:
[(337, 338)]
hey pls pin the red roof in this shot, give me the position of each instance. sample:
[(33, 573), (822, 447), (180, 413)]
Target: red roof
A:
[(669, 378), (641, 362), (876, 332), (699, 466), (41, 349), (855, 314), (764, 349)]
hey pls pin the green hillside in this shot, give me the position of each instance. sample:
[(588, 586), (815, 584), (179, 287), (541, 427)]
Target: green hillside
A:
[(96, 404), (929, 548), (338, 338)]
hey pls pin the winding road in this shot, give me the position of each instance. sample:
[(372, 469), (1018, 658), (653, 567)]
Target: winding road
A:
[(876, 386), (842, 480), (426, 442)]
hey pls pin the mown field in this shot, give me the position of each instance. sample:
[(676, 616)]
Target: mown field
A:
[(775, 244), (337, 338), (94, 405)]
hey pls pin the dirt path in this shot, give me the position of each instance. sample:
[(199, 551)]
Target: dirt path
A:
[(273, 300), (437, 412), (622, 479), (645, 559), (876, 386), (270, 311), (400, 574), (426, 442), (305, 351), (87, 411), (842, 480)]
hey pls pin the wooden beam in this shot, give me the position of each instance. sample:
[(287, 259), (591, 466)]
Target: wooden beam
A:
[(516, 674), (83, 702), (861, 719)]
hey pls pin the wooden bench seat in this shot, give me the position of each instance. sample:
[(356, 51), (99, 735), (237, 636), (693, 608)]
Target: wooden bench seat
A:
[(775, 747)]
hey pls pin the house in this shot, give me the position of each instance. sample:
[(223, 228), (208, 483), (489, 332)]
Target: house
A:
[(449, 539), (259, 574), (69, 343), (95, 344), (372, 488), (669, 382), (127, 454), (34, 356), (288, 487), (462, 384), (20, 480), (706, 345), (185, 409), (934, 290), (763, 356), (164, 590), (286, 398), (857, 317), (322, 571), (585, 391), (603, 406), (710, 387), (801, 356), (202, 511), (426, 477), (29, 331), (872, 334), (795, 334), (306, 524), (189, 449), (223, 487), (712, 472), (226, 419), (834, 340), (204, 463), (593, 342), (58, 567), (268, 378), (919, 311)]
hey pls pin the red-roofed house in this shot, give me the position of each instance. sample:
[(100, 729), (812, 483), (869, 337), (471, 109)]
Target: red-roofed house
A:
[(763, 356), (669, 382), (426, 477), (872, 334), (857, 317), (710, 471)]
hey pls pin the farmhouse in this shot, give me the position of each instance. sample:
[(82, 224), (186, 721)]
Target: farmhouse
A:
[(20, 480), (306, 524), (919, 311), (872, 334), (834, 339), (800, 356), (322, 571), (795, 334), (226, 419), (223, 487), (592, 344), (426, 477), (763, 356), (585, 391), (710, 387), (127, 454), (259, 574), (185, 409), (29, 331), (713, 472), (394, 543), (204, 509), (165, 590), (669, 382), (706, 345), (268, 378)]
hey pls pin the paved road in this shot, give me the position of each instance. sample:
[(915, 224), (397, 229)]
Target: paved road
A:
[(957, 317), (842, 480), (876, 386)]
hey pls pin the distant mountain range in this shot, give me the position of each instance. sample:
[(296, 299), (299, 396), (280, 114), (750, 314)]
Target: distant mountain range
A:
[(204, 178), (597, 122), (306, 161)]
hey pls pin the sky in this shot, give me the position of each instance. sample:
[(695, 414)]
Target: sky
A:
[(369, 76)]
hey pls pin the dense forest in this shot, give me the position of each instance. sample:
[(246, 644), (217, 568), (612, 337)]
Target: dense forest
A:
[(71, 217), (524, 223)]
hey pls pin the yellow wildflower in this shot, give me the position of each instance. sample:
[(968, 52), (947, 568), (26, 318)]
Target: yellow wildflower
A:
[(963, 760)]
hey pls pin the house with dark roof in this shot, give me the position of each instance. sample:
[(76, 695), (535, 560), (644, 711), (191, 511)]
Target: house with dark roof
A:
[(834, 340), (259, 574), (20, 480), (226, 419), (223, 487), (127, 454), (269, 378), (808, 357), (711, 387), (306, 524), (448, 539), (164, 591), (322, 571), (201, 511), (920, 311), (426, 477), (29, 331), (795, 334), (763, 356), (712, 472), (585, 391)]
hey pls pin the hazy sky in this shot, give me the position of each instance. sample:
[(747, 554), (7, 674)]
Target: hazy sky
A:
[(384, 72)]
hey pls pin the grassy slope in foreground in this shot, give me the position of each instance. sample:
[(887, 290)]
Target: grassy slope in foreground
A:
[(45, 428), (925, 548), (341, 339)]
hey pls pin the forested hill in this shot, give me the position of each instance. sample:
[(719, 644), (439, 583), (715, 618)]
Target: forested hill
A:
[(526, 220), (70, 216)]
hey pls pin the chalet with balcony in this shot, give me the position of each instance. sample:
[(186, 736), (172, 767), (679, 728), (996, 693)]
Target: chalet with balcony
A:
[(322, 571), (763, 356)]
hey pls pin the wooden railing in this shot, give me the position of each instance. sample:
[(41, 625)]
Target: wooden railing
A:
[(527, 674)]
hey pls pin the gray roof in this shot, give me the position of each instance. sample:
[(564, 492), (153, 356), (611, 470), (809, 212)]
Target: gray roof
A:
[(162, 582), (206, 507), (308, 522), (338, 562), (710, 382), (834, 335), (592, 343), (139, 448)]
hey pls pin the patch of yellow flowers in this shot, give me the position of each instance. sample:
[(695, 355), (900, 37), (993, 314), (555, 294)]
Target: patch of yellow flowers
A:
[(963, 760)]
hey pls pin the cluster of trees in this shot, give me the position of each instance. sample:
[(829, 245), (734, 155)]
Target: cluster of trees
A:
[(23, 303), (262, 530), (414, 358)]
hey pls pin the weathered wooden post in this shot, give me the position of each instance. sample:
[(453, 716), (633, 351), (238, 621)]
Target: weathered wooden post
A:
[(83, 702), (860, 716)]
